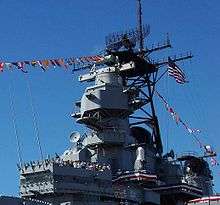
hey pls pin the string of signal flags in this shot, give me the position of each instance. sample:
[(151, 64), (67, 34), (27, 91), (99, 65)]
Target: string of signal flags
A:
[(82, 62), (48, 63), (173, 70), (208, 150)]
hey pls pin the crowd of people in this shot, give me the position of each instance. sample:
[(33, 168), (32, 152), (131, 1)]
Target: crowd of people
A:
[(93, 166)]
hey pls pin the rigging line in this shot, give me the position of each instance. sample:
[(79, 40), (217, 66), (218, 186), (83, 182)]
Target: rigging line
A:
[(167, 124), (161, 75), (194, 101), (198, 141), (198, 101), (195, 86), (35, 123), (182, 122), (194, 107), (13, 116)]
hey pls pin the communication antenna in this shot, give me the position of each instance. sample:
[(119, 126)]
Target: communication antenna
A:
[(115, 41), (139, 25)]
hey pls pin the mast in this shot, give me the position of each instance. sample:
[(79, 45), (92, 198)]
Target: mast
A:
[(139, 25), (156, 129)]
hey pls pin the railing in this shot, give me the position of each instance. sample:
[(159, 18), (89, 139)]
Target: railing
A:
[(189, 153)]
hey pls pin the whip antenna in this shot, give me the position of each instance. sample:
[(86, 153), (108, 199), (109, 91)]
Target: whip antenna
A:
[(139, 25)]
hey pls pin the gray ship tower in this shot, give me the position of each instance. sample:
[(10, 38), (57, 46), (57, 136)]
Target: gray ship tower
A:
[(120, 159)]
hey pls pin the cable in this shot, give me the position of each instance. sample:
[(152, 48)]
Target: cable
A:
[(35, 123), (12, 110), (167, 121)]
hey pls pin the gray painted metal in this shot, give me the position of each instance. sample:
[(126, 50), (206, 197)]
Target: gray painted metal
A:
[(5, 200), (108, 165), (115, 162)]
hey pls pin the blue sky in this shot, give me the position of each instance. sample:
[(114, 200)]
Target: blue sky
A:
[(50, 29)]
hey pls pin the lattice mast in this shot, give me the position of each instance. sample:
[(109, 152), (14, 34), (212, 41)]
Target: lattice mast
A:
[(150, 87)]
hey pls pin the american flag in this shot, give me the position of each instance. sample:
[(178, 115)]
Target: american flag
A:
[(176, 72)]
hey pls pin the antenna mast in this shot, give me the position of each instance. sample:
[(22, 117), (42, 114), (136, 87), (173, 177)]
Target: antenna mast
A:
[(139, 25), (150, 86)]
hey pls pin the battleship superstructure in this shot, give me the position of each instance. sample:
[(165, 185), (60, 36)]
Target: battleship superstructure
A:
[(120, 159)]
